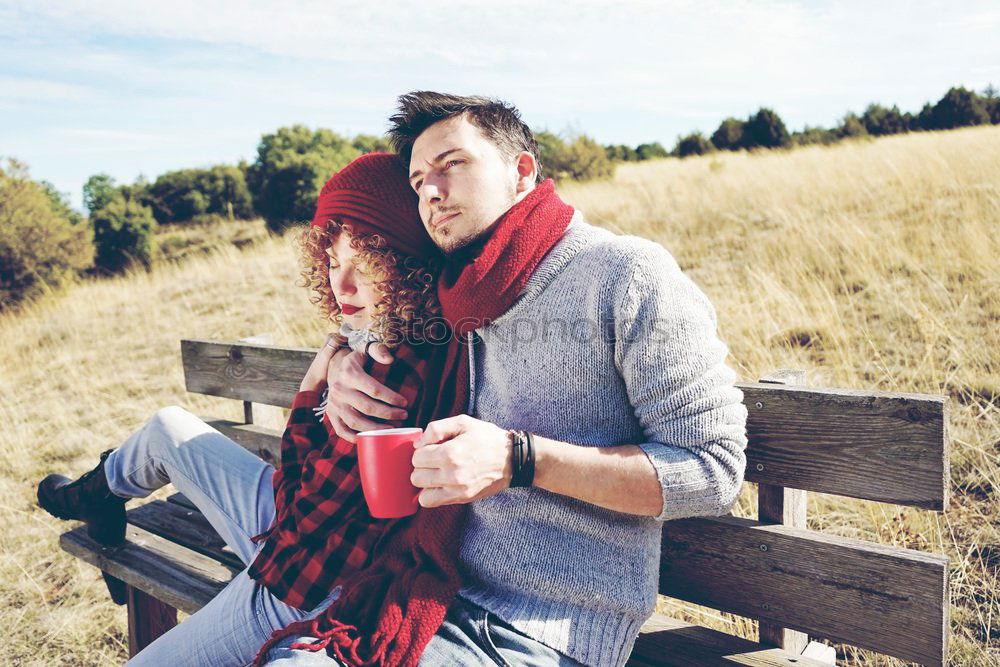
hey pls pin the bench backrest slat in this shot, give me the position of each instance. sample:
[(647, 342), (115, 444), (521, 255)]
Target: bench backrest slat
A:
[(878, 597), (886, 447), (258, 373)]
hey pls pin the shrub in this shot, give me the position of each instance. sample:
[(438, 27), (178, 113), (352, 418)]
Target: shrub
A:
[(813, 135), (177, 196), (693, 144), (292, 165), (729, 135), (123, 235), (651, 151), (367, 143), (880, 121), (765, 129), (621, 153), (40, 248), (98, 192), (959, 108), (581, 158), (851, 126), (587, 160)]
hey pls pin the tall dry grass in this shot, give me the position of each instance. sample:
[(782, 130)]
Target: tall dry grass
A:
[(871, 265)]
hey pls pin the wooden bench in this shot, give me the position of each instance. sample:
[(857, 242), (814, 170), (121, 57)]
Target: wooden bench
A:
[(798, 583)]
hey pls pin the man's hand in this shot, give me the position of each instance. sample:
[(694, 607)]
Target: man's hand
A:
[(355, 396), (459, 460)]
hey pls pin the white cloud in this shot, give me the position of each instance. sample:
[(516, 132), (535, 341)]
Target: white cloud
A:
[(19, 91)]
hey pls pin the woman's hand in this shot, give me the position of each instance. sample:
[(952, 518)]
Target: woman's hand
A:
[(315, 378)]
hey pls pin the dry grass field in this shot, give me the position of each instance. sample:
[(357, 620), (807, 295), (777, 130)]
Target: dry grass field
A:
[(870, 264)]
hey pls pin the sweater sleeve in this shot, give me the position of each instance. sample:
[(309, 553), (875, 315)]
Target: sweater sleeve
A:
[(683, 393)]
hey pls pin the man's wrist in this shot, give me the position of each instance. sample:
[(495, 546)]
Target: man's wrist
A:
[(522, 459)]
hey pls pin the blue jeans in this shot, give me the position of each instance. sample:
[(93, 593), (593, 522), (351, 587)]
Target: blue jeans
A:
[(470, 635), (232, 488)]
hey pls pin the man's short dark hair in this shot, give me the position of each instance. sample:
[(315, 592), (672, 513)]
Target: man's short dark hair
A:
[(499, 122)]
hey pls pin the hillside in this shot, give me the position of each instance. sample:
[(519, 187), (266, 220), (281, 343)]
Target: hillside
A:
[(870, 264)]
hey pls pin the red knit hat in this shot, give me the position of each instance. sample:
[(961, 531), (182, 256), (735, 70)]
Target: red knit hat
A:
[(373, 195)]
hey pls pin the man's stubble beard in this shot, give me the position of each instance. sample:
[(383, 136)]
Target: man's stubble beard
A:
[(460, 244)]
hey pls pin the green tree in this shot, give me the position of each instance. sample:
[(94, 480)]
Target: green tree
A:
[(551, 153), (880, 121), (729, 135), (959, 107), (59, 202), (40, 249), (851, 126), (651, 151), (813, 135), (587, 160), (991, 97), (99, 191), (580, 158), (181, 195), (925, 119), (693, 144), (766, 130), (292, 165), (123, 235), (367, 143), (621, 153)]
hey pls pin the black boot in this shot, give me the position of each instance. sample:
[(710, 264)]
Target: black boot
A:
[(87, 499)]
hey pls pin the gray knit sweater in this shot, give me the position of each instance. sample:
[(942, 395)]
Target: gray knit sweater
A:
[(609, 344)]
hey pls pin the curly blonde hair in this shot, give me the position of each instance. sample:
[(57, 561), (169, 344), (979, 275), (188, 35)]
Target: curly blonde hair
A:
[(408, 302)]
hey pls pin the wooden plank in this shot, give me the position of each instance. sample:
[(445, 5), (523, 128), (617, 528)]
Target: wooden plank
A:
[(888, 447), (179, 577), (185, 526), (148, 618), (668, 641), (264, 442), (821, 652), (882, 598), (266, 374), (875, 445), (776, 504)]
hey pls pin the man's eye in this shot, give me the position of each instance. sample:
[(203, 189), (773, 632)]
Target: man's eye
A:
[(452, 163), (416, 186)]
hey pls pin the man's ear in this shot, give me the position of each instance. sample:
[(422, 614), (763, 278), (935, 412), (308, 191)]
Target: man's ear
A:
[(527, 171)]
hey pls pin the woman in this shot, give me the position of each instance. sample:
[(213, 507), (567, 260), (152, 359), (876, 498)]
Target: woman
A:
[(304, 530)]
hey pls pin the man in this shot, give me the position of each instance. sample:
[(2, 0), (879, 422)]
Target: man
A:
[(591, 349)]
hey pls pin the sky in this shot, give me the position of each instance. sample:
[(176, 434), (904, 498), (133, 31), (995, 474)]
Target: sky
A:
[(132, 88)]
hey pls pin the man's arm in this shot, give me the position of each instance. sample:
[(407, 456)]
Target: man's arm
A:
[(618, 478)]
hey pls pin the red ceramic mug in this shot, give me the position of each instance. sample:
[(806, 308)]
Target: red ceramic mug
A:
[(385, 458)]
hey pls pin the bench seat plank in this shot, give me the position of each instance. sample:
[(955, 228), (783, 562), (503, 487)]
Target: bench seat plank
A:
[(185, 526), (180, 577), (667, 641)]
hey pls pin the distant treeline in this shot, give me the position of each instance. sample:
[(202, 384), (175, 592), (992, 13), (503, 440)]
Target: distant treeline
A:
[(959, 107), (44, 243)]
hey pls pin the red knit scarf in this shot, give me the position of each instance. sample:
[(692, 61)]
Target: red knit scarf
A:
[(389, 611)]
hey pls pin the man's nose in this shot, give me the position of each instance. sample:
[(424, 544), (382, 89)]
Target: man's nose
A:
[(433, 191)]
